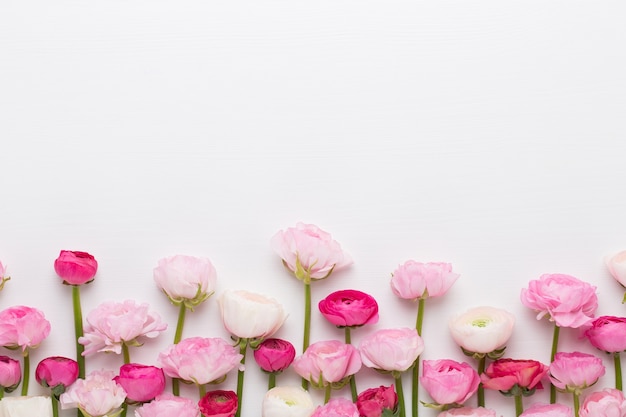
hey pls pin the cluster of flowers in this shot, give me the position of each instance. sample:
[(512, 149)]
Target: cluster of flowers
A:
[(252, 319)]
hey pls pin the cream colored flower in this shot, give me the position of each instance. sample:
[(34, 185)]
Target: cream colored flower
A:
[(287, 401), (482, 330), (249, 315)]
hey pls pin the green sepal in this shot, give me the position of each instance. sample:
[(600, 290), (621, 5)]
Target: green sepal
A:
[(58, 390), (388, 412), (623, 299)]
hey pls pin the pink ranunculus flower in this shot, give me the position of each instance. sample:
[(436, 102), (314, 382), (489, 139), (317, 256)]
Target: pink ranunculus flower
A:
[(468, 412), (288, 401), (274, 355), (111, 324), (337, 407), (3, 276), (391, 349), (186, 279), (449, 382), (75, 268), (326, 362), (97, 395), (199, 360), (414, 280), (142, 383), (505, 374), (606, 403), (10, 374), (23, 327), (56, 370), (309, 252), (566, 300), (168, 405), (608, 333), (548, 410), (374, 401), (218, 403), (575, 371), (349, 308), (482, 330), (249, 315)]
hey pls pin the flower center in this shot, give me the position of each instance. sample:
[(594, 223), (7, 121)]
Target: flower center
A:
[(480, 323)]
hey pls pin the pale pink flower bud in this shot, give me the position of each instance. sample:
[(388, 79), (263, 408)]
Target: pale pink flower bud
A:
[(23, 327), (250, 315), (449, 382), (326, 362), (606, 403), (617, 266), (391, 349), (575, 371), (468, 412), (168, 405), (3, 276), (414, 280), (97, 395), (545, 410), (482, 329), (337, 407), (186, 279)]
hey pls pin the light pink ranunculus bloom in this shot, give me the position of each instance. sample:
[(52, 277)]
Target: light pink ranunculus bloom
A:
[(391, 349), (608, 333), (97, 395), (168, 405), (482, 329), (199, 360), (249, 315), (38, 406), (186, 279), (617, 266), (468, 412), (448, 381), (10, 373), (112, 324), (606, 403), (566, 300), (309, 252), (414, 280), (575, 371), (548, 410), (23, 327), (287, 401), (326, 362), (3, 277), (337, 407)]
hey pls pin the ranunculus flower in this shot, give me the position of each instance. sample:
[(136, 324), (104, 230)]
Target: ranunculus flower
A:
[(76, 268), (326, 362), (186, 279), (309, 252), (10, 373), (566, 300), (606, 403), (482, 330), (97, 395), (504, 374), (449, 382), (56, 371), (391, 349), (337, 407), (199, 360), (249, 315), (3, 277), (468, 412), (218, 404), (575, 371), (349, 308), (287, 402), (274, 355), (112, 324), (617, 266), (26, 407), (142, 383), (414, 280), (548, 410), (22, 327), (608, 333), (168, 405), (372, 402)]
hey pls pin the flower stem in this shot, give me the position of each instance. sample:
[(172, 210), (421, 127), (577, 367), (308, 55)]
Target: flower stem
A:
[(201, 390), (307, 325), (243, 346), (26, 373), (519, 406), (124, 409), (420, 316), (353, 377), (1, 393), (481, 390), (78, 330), (400, 392), (576, 404), (272, 381), (617, 361), (555, 344), (55, 406), (416, 368), (327, 393), (177, 338), (125, 353)]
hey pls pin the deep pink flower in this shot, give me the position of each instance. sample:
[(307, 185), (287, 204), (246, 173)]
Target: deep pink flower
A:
[(372, 402), (414, 280), (186, 279), (56, 370), (142, 383), (23, 327), (575, 371), (76, 268), (448, 381), (468, 412), (608, 333), (545, 410), (606, 403), (168, 405), (274, 355), (326, 362), (391, 349), (218, 404), (504, 374), (566, 300), (98, 394), (337, 407), (349, 308), (10, 373)]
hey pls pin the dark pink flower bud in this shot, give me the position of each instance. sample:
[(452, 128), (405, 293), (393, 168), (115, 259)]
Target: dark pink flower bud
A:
[(218, 404), (142, 383), (76, 268), (274, 355), (57, 371), (608, 333), (349, 308), (372, 402), (10, 373)]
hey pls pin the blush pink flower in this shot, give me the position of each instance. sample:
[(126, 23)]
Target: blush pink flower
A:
[(449, 382), (374, 401), (606, 403), (3, 277), (337, 407), (23, 327), (168, 405), (56, 370), (249, 315), (75, 268), (414, 280), (505, 374), (218, 403), (274, 355), (545, 410), (391, 349), (10, 374), (186, 279), (468, 412), (566, 300), (482, 330), (617, 266), (142, 383), (97, 395), (608, 333), (199, 360), (111, 324), (575, 371), (349, 308), (326, 362)]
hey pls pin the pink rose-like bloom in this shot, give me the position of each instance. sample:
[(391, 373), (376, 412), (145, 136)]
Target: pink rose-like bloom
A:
[(10, 373), (309, 252), (349, 308), (23, 327), (199, 360), (448, 381), (391, 349), (337, 407), (548, 410), (274, 355), (468, 412), (98, 394), (608, 333), (372, 402), (112, 324), (566, 300), (606, 403), (186, 279), (142, 383), (574, 371), (168, 405), (250, 315), (56, 370), (617, 266), (504, 374), (414, 280), (76, 268), (218, 403), (327, 361)]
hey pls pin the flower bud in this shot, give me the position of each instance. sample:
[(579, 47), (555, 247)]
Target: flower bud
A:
[(76, 268), (10, 373), (274, 355), (57, 373), (142, 383)]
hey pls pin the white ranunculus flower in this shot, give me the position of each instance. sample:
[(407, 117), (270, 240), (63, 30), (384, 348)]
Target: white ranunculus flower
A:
[(26, 407), (617, 268), (482, 329), (287, 401), (248, 315)]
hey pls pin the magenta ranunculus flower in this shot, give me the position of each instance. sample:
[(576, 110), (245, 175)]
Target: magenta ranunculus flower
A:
[(111, 324), (337, 407), (10, 374), (199, 360), (274, 355), (414, 280), (249, 315), (23, 327), (566, 300), (575, 371), (505, 374), (548, 410), (97, 395), (391, 349), (76, 268), (349, 308), (142, 383), (449, 382), (608, 333), (3, 277), (56, 371), (327, 361), (606, 403), (186, 279), (468, 412), (218, 403), (372, 402), (168, 405)]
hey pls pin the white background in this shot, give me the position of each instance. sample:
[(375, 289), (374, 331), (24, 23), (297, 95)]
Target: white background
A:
[(489, 135)]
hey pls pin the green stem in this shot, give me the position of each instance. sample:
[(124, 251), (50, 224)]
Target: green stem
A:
[(201, 390), (576, 404), (55, 406), (26, 373), (175, 387), (400, 392), (555, 344), (420, 316), (125, 353), (519, 406), (78, 330), (1, 393), (416, 368), (272, 381), (177, 338), (617, 361), (327, 393), (243, 345), (353, 389), (124, 409), (307, 325), (481, 390)]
